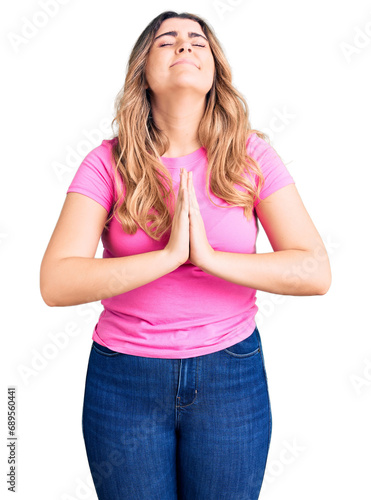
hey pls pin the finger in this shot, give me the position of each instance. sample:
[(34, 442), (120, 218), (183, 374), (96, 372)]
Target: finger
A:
[(185, 176), (183, 184), (186, 201), (192, 186), (180, 197), (189, 190), (178, 202), (192, 193), (185, 191)]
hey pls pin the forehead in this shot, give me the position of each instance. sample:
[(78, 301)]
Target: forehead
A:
[(177, 24)]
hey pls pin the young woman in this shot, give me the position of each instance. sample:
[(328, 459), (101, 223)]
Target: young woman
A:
[(176, 401)]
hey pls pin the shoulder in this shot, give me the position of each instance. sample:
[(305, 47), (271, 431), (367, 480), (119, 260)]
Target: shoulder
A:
[(109, 143), (104, 150), (101, 158), (256, 146)]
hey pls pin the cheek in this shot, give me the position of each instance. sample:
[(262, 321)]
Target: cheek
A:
[(154, 70), (209, 65), (209, 70)]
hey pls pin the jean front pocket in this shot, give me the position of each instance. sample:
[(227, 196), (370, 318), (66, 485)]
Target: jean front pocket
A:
[(103, 350), (246, 348)]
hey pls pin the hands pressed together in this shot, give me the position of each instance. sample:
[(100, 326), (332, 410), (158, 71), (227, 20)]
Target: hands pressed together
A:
[(188, 238)]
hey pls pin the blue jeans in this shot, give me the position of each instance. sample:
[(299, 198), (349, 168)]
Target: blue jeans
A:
[(168, 429)]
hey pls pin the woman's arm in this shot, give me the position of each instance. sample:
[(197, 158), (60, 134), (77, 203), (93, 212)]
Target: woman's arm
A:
[(299, 264), (69, 273), (79, 280)]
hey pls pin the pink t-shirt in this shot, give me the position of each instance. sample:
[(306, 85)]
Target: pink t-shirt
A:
[(186, 312)]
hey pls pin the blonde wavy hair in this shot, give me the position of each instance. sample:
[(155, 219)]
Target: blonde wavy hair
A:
[(149, 201)]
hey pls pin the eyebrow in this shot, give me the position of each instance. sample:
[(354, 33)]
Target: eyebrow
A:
[(191, 34)]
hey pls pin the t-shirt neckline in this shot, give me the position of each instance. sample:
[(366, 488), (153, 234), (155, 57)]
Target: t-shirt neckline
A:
[(182, 161)]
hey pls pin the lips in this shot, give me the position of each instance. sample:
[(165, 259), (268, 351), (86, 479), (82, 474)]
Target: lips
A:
[(186, 61)]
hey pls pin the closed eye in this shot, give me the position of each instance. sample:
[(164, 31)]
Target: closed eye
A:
[(194, 44)]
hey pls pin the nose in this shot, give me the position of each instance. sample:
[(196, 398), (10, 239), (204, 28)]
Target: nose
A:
[(185, 46)]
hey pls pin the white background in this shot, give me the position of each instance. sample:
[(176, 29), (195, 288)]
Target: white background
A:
[(308, 62)]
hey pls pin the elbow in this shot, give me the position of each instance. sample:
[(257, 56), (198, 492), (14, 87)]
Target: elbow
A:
[(324, 284), (323, 290), (322, 268), (45, 288), (46, 297), (48, 302)]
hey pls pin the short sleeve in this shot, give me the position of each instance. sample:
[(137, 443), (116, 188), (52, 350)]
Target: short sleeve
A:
[(94, 176), (274, 170)]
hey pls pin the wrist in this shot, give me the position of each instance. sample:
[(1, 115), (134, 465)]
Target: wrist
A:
[(206, 263), (171, 259)]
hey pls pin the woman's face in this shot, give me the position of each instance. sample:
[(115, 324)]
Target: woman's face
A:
[(162, 76)]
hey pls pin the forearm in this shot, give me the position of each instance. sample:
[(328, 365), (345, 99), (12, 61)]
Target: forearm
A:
[(79, 280), (285, 272)]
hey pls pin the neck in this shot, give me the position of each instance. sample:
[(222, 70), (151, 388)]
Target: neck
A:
[(179, 116)]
